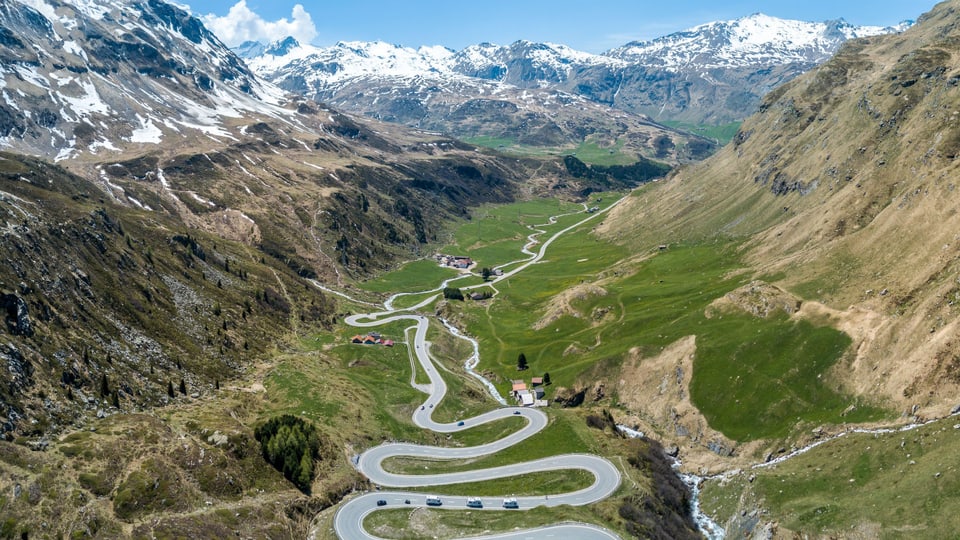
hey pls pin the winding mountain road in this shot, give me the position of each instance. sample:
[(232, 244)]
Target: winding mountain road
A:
[(348, 522)]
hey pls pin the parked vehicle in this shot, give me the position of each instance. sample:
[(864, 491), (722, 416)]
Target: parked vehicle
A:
[(433, 500), (510, 503), (474, 502)]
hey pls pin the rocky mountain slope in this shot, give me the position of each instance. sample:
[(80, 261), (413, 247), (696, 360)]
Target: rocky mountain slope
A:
[(714, 73), (841, 187), (96, 77), (175, 155)]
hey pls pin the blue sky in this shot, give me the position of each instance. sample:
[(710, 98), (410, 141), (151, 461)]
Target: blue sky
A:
[(585, 25)]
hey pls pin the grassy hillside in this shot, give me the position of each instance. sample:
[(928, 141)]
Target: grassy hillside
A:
[(840, 188), (838, 194)]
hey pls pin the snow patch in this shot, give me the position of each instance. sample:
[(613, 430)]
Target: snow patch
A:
[(148, 132), (202, 200)]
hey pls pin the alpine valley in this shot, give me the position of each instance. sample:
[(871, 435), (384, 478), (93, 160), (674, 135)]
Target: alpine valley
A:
[(756, 339)]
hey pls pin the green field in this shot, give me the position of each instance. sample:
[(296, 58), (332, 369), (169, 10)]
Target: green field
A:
[(588, 151), (420, 275), (592, 153), (567, 433), (394, 524), (885, 485), (496, 234), (341, 381), (753, 378), (723, 133), (490, 142)]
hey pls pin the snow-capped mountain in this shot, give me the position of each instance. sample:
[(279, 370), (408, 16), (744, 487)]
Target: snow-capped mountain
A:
[(96, 76), (755, 40), (715, 72), (523, 63), (481, 91)]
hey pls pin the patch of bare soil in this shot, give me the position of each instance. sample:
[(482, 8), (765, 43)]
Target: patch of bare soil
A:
[(232, 225), (561, 304), (656, 390), (914, 375)]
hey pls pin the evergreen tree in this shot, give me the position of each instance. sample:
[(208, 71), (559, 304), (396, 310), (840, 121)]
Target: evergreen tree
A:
[(183, 387), (546, 379), (522, 362), (104, 385), (170, 389)]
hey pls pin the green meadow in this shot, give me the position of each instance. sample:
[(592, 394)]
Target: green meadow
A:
[(882, 485), (591, 152), (590, 301), (723, 133)]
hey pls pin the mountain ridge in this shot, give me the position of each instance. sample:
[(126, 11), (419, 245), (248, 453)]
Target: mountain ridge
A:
[(690, 74)]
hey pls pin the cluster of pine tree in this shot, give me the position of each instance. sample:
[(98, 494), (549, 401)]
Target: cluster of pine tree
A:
[(291, 445)]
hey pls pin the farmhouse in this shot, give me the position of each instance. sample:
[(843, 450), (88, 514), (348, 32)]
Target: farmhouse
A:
[(372, 339), (454, 261)]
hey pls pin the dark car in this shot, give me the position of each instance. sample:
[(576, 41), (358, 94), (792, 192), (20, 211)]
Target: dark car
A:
[(460, 423), (381, 502), (516, 412)]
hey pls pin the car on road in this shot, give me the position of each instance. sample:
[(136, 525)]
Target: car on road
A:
[(381, 502), (460, 423), (516, 412), (474, 502), (510, 503), (433, 500)]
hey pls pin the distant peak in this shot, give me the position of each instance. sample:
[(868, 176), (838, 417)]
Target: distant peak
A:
[(282, 47)]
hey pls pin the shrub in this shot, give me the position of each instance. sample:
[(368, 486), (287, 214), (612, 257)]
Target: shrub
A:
[(452, 293)]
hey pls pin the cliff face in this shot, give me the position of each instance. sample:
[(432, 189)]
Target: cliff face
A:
[(843, 186)]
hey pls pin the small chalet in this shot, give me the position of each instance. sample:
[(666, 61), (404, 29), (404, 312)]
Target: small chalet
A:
[(538, 392), (536, 381), (388, 343), (357, 339), (370, 340), (525, 398)]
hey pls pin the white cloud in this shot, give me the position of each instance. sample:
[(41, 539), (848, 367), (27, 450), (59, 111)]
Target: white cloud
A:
[(241, 24)]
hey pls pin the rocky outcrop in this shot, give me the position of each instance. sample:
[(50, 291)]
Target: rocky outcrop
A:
[(17, 317)]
